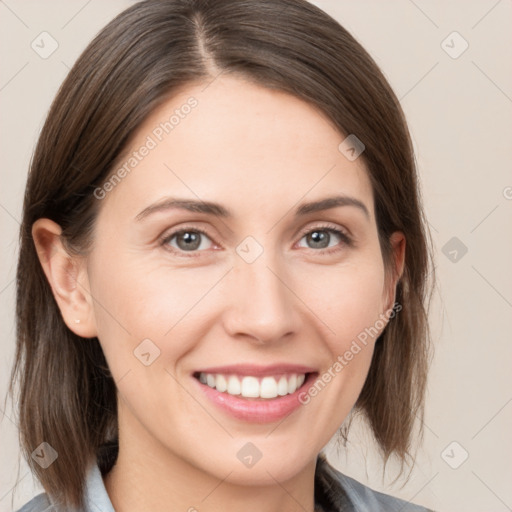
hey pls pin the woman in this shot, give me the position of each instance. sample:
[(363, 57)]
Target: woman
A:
[(223, 259)]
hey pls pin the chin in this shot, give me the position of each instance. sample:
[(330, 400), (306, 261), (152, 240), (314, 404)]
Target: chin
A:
[(262, 469)]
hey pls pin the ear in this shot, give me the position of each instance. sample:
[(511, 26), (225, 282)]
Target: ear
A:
[(67, 276), (397, 242)]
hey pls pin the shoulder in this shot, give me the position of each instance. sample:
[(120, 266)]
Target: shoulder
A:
[(342, 490), (95, 496), (362, 496), (40, 503)]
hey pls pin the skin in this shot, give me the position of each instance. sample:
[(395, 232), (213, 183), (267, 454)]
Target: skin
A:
[(259, 153)]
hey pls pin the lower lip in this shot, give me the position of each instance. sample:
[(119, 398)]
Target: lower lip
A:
[(257, 410)]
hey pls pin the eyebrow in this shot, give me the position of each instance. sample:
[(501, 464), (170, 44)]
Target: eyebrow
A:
[(218, 210)]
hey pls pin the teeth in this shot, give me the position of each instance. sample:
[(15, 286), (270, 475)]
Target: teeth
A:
[(292, 383), (250, 387), (220, 383), (253, 387), (282, 386), (268, 387), (234, 386)]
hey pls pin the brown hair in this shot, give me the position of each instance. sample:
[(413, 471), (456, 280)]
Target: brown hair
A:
[(67, 396)]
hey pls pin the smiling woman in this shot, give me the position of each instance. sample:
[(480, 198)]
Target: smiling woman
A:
[(219, 310)]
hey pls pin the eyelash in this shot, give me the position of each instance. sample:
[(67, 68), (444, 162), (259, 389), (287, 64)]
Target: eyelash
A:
[(342, 234)]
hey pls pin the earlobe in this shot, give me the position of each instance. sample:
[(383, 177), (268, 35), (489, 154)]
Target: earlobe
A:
[(67, 276)]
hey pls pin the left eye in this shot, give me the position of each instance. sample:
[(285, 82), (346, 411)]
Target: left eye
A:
[(320, 238)]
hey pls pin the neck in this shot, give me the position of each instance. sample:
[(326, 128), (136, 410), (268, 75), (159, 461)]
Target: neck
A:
[(146, 485)]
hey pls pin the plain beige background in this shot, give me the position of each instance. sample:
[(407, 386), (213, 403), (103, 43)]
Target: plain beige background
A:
[(458, 102)]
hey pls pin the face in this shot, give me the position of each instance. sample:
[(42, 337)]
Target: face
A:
[(257, 294)]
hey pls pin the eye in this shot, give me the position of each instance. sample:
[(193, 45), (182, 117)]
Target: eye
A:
[(186, 240), (321, 237), (192, 240)]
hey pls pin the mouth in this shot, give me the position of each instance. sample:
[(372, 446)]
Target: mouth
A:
[(256, 394), (252, 386)]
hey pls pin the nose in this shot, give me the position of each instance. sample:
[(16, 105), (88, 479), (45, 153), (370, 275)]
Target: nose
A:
[(263, 307)]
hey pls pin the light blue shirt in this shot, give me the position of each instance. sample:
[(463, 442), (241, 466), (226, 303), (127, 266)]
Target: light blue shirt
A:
[(334, 492)]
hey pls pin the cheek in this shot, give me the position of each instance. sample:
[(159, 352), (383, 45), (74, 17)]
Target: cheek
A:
[(347, 299), (349, 304), (137, 300)]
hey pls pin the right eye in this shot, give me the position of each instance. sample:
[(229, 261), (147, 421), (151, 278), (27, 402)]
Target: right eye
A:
[(185, 240)]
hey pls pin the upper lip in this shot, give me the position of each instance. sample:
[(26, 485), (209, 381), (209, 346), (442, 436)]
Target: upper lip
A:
[(258, 370)]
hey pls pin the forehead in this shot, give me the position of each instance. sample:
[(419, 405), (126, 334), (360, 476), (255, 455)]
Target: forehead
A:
[(233, 140)]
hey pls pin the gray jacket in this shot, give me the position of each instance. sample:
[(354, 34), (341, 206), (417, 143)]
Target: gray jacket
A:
[(334, 492)]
